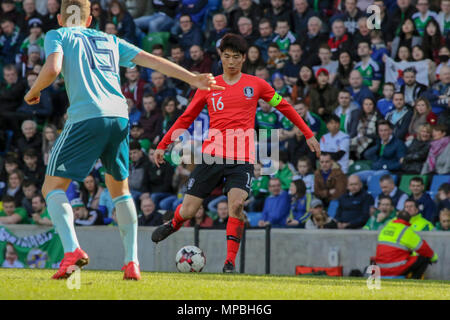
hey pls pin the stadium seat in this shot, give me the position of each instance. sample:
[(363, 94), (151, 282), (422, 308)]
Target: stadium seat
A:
[(360, 165), (253, 218), (406, 178), (332, 208), (373, 184), (156, 38), (436, 182)]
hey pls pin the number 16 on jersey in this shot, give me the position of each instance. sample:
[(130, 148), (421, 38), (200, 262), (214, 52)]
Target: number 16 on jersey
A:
[(219, 106)]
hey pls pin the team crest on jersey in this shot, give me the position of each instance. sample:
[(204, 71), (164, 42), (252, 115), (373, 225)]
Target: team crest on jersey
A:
[(190, 183), (249, 92)]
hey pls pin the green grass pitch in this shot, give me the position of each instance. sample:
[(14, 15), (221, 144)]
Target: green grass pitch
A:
[(36, 284)]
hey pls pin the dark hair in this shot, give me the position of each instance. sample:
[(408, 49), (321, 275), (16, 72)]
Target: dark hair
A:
[(234, 43), (8, 199), (402, 214), (148, 94), (398, 92), (135, 145), (158, 46), (30, 153), (410, 69), (417, 179), (389, 84), (332, 117), (283, 20), (301, 189), (38, 194), (386, 177), (384, 123), (176, 46), (411, 200), (84, 193), (429, 43), (307, 160), (364, 41), (444, 187), (273, 45), (265, 20), (345, 91), (28, 182), (384, 197)]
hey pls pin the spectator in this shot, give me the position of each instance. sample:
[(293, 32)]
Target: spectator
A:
[(388, 150), (357, 89), (305, 83), (326, 63), (119, 15), (276, 207), (292, 66), (98, 16), (438, 160), (133, 112), (170, 113), (423, 200), (36, 37), (411, 89), (417, 151), (418, 55), (40, 215), (408, 37), (300, 16), (149, 217), (200, 61), (369, 69), (14, 186), (329, 180), (135, 86), (383, 214), (111, 28), (345, 67), (220, 28), (83, 216), (385, 105), (277, 59), (354, 206), (162, 19), (249, 9), (139, 172), (432, 41), (266, 37), (336, 143), (49, 137), (400, 117), (350, 16), (159, 179), (151, 119), (12, 214), (31, 138), (285, 170), (222, 215), (297, 147), (10, 11), (397, 18), (195, 8), (11, 163), (29, 189), (259, 190), (423, 16), (90, 192), (10, 41), (30, 12), (388, 188), (12, 91), (299, 212), (366, 128), (40, 111), (339, 39), (363, 34), (33, 169), (439, 93), (324, 97), (284, 37), (137, 134), (443, 197), (314, 121), (378, 47), (253, 61), (422, 115), (11, 258), (444, 220), (278, 11), (319, 217), (160, 89), (394, 259), (443, 18), (201, 219), (190, 34), (348, 112), (177, 56), (305, 173), (313, 40), (417, 221)]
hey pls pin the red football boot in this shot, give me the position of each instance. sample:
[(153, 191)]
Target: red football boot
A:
[(77, 258), (132, 271)]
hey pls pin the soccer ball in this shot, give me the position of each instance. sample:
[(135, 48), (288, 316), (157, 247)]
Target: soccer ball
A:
[(190, 259)]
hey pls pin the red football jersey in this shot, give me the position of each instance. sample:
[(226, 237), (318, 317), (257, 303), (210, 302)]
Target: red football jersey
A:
[(232, 117)]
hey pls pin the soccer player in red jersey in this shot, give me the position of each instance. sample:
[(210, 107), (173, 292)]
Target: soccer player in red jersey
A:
[(232, 115)]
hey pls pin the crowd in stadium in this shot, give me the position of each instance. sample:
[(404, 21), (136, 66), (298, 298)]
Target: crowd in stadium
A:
[(376, 94)]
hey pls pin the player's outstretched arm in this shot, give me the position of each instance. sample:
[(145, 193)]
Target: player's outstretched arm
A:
[(49, 73), (204, 81)]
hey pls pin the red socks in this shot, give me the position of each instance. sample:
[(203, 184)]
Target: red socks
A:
[(177, 220), (235, 228)]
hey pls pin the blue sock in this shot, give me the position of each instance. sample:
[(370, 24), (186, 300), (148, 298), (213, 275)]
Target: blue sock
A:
[(127, 221), (61, 214)]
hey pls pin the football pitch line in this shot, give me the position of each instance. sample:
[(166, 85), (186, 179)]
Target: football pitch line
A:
[(31, 284)]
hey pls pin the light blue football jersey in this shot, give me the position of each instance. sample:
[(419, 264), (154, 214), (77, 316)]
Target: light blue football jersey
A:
[(91, 71)]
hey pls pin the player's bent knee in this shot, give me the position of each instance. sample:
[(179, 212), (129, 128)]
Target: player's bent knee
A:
[(236, 207)]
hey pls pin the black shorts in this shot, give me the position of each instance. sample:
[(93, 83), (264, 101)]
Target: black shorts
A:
[(206, 177)]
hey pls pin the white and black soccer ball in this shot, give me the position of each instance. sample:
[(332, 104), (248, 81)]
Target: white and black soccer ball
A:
[(190, 259)]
